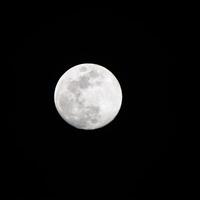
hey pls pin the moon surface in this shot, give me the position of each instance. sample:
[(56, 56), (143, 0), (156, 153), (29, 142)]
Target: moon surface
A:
[(88, 96)]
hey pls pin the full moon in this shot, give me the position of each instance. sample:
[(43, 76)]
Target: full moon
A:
[(88, 96)]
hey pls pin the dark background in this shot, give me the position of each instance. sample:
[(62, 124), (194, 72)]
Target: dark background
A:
[(136, 153)]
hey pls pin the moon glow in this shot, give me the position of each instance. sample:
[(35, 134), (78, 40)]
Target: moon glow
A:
[(88, 96)]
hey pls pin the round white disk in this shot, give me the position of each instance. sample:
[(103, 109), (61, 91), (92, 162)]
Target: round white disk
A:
[(88, 96)]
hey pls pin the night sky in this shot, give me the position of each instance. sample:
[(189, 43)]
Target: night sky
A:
[(136, 153)]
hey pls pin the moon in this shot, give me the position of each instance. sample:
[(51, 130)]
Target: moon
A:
[(88, 96)]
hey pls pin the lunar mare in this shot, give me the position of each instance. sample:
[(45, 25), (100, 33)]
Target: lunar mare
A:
[(88, 96)]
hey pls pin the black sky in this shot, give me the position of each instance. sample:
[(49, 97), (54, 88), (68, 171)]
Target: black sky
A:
[(135, 153)]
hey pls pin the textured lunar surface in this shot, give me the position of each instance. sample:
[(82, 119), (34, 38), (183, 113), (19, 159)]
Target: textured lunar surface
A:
[(88, 96)]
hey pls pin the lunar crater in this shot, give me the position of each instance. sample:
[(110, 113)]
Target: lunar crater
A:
[(66, 104), (93, 74), (83, 69), (84, 82)]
